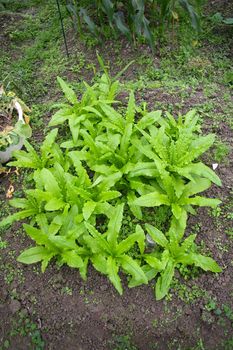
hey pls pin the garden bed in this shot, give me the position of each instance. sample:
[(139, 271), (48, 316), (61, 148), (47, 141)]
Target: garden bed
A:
[(57, 309)]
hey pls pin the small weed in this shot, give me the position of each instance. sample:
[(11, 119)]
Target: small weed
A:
[(66, 290), (221, 151), (122, 342)]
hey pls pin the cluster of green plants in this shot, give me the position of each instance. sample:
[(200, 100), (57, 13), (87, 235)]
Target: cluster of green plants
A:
[(112, 159), (132, 18)]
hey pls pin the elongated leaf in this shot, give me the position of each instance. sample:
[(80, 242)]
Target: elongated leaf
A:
[(72, 259), (126, 244), (132, 267), (61, 116), (206, 263), (21, 203), (154, 262), (135, 209), (68, 92), (199, 169), (149, 119), (36, 234), (18, 216), (83, 269), (153, 199), (202, 201), (88, 209), (109, 195), (100, 263), (115, 225), (54, 204), (50, 183), (112, 271), (164, 281), (178, 226), (177, 210), (33, 255), (157, 235)]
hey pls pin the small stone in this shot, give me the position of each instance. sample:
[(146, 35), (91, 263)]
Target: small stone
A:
[(14, 306)]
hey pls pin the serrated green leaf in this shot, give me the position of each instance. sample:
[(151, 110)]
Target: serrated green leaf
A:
[(50, 183), (100, 263), (205, 263), (202, 201), (88, 209), (68, 92), (72, 259), (114, 225), (112, 271)]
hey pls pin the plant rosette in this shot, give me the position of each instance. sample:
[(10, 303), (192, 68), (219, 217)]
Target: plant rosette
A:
[(12, 134)]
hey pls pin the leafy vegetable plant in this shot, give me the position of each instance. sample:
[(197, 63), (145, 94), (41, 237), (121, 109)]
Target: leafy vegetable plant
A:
[(174, 250), (114, 158)]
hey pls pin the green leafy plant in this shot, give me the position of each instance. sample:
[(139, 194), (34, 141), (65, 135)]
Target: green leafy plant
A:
[(109, 254), (175, 251), (112, 158), (131, 18)]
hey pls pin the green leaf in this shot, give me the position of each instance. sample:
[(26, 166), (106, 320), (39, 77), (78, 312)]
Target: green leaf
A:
[(153, 199), (18, 216), (33, 255), (61, 116), (141, 238), (100, 263), (164, 281), (157, 235), (50, 183), (149, 119), (54, 204), (177, 210), (206, 263), (114, 225), (131, 108), (202, 201), (48, 143), (88, 209), (132, 267), (199, 169), (68, 92), (178, 226), (135, 209), (112, 271), (154, 262), (21, 203), (126, 244), (83, 269), (36, 234), (109, 195), (72, 259)]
